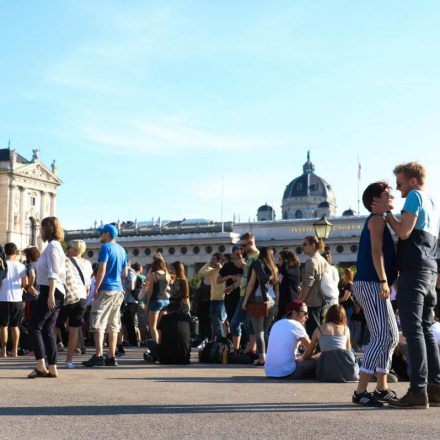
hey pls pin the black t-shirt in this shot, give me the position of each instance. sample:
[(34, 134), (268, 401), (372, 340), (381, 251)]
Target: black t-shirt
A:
[(231, 269), (350, 301), (175, 342)]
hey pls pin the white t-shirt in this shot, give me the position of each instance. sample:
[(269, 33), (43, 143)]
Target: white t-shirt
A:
[(435, 329), (282, 347), (10, 289)]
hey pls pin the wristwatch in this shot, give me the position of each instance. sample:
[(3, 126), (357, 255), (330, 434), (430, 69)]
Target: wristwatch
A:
[(383, 281)]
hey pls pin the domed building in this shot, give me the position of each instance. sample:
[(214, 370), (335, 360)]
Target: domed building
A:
[(308, 196), (265, 213)]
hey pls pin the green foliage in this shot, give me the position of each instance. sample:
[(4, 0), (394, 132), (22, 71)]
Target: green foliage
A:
[(195, 281)]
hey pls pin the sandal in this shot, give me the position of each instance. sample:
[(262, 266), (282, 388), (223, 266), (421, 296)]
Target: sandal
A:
[(37, 373)]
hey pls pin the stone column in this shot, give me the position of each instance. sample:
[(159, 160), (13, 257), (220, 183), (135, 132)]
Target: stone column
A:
[(42, 205), (52, 204), (11, 210), (22, 212)]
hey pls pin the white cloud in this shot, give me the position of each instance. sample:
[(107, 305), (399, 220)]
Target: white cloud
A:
[(167, 137)]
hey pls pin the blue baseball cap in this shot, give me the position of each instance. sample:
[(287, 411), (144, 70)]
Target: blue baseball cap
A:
[(111, 229)]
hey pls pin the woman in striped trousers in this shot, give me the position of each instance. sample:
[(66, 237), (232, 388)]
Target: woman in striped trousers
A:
[(375, 274)]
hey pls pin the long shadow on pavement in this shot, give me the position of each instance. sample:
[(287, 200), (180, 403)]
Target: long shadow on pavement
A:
[(176, 409)]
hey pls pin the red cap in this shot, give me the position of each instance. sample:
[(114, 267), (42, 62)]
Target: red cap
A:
[(294, 305)]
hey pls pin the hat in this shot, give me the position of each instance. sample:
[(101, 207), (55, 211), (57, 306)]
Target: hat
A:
[(111, 229), (294, 306)]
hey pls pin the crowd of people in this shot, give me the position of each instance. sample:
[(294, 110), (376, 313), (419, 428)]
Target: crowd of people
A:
[(298, 322)]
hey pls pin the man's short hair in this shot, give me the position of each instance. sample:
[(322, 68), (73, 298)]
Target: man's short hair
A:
[(247, 236), (235, 248), (219, 256), (10, 249), (412, 170), (136, 267)]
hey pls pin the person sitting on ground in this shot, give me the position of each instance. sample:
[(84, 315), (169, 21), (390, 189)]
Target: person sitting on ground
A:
[(285, 337), (337, 362), (174, 346)]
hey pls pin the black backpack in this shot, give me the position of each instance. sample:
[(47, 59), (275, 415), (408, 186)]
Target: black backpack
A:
[(212, 352), (3, 265)]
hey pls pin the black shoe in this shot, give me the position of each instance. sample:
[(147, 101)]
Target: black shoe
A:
[(94, 361), (412, 400), (111, 362), (366, 399), (384, 395), (120, 351)]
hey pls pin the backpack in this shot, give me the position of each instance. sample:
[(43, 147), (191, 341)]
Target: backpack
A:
[(3, 265), (73, 286), (212, 352), (329, 287)]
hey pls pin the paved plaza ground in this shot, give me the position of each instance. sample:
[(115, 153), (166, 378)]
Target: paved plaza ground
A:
[(137, 400)]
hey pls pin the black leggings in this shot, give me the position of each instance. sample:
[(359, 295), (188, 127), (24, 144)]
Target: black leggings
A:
[(42, 323), (129, 322)]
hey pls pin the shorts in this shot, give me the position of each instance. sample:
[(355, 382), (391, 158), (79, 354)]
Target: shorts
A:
[(156, 305), (74, 313), (105, 314), (11, 313)]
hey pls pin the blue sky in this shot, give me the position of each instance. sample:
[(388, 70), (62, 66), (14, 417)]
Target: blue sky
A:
[(146, 105)]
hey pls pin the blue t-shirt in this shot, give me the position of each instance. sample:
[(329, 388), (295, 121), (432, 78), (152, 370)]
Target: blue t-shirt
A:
[(116, 258), (419, 250)]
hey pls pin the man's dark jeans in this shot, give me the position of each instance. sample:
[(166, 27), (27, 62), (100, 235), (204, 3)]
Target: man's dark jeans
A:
[(416, 297), (314, 320)]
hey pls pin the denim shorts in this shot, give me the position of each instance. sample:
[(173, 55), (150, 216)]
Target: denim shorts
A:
[(156, 305)]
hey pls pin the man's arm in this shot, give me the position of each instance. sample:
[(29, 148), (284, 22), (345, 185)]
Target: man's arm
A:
[(405, 226), (307, 281), (206, 269)]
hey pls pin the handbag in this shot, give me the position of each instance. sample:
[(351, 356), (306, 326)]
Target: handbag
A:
[(257, 310)]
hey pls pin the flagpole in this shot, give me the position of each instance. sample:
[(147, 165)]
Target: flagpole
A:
[(223, 224), (359, 185)]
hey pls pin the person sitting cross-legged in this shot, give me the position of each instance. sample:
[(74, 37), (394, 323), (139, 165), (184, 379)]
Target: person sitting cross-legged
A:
[(285, 337)]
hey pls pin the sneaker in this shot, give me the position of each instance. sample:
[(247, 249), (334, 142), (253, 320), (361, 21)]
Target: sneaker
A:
[(111, 362), (70, 365), (384, 395), (434, 394), (412, 400), (94, 361), (366, 399)]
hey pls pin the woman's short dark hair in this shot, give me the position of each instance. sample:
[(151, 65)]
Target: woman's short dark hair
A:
[(11, 249), (336, 315), (373, 190), (32, 254)]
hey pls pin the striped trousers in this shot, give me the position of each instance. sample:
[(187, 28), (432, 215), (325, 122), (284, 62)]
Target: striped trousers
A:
[(382, 325)]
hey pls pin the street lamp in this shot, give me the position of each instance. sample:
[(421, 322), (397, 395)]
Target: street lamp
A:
[(322, 228)]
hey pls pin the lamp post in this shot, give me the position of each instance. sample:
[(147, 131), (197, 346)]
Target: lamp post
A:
[(322, 228)]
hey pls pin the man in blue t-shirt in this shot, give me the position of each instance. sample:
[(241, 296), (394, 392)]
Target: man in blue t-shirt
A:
[(416, 252), (105, 314)]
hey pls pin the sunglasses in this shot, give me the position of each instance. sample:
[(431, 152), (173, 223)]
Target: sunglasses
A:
[(304, 313)]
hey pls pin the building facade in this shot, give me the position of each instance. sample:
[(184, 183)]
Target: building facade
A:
[(28, 191)]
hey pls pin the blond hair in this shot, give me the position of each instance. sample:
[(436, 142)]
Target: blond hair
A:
[(79, 245), (412, 170)]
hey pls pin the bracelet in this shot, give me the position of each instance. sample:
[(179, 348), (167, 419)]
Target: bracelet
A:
[(383, 281)]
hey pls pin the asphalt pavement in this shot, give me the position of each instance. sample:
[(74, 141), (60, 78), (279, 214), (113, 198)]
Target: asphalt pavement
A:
[(202, 401)]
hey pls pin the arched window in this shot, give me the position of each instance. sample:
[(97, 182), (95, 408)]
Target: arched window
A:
[(298, 214)]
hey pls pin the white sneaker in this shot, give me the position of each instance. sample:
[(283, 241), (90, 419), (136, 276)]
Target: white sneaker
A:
[(70, 365)]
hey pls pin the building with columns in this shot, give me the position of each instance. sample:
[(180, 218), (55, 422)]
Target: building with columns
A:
[(28, 191)]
